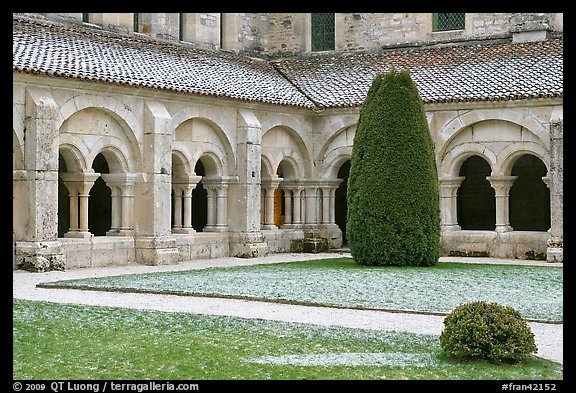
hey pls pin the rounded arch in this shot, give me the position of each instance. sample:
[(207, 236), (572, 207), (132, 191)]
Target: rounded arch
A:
[(213, 167), (466, 119), (289, 168), (117, 110), (516, 150), (73, 158), (17, 151), (180, 164), (282, 141), (267, 168), (195, 114), (115, 158), (452, 162), (333, 167)]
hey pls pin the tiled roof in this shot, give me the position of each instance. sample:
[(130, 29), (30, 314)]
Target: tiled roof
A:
[(75, 52), (458, 73)]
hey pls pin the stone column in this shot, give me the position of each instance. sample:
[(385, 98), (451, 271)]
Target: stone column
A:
[(177, 213), (555, 245), (287, 208), (502, 185), (122, 186), (297, 214), (449, 202), (270, 185), (186, 185), (217, 205), (79, 185), (36, 230), (210, 207), (311, 204)]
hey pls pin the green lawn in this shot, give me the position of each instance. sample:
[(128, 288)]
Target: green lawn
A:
[(74, 342), (535, 291)]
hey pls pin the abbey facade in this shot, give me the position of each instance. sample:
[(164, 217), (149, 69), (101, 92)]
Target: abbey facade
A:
[(160, 138)]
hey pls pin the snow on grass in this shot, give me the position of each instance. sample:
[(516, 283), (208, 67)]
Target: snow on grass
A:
[(535, 291), (390, 359)]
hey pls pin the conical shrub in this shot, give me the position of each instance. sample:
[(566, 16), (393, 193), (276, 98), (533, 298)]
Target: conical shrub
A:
[(393, 203)]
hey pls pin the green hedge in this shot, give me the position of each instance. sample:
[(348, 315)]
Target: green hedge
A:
[(393, 203), (487, 331)]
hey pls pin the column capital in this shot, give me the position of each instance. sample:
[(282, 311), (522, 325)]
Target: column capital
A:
[(501, 184)]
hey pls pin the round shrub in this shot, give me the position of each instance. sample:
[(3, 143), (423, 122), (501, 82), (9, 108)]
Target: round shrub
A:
[(488, 331), (393, 199)]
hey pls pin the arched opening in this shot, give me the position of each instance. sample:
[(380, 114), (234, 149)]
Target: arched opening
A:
[(63, 200), (100, 200), (476, 203), (199, 201), (529, 196), (279, 204), (341, 202)]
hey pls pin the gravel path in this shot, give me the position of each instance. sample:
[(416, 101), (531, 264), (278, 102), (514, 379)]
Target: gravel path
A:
[(549, 337)]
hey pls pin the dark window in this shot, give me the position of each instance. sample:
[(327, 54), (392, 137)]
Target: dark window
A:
[(322, 32), (448, 21), (136, 22), (85, 17)]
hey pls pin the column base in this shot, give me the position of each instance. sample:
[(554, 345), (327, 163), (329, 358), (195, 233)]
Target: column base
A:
[(78, 235), (188, 231), (503, 228), (267, 227), (156, 250)]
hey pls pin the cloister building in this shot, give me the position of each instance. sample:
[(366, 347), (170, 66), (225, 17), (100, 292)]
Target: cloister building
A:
[(160, 138)]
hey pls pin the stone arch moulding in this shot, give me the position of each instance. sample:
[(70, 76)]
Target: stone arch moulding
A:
[(267, 167), (119, 111), (115, 158), (296, 149), (181, 163), (74, 158), (188, 114), (516, 150), (17, 151), (466, 119), (213, 164), (451, 163), (344, 137), (332, 163), (290, 168)]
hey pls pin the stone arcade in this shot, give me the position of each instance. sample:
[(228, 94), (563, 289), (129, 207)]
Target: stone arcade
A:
[(159, 138)]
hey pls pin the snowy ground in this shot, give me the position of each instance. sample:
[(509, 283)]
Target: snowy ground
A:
[(549, 337)]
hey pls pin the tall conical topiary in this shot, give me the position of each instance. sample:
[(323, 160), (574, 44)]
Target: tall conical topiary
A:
[(393, 203)]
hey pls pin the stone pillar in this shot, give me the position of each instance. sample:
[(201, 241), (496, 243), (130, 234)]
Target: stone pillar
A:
[(244, 197), (449, 202), (154, 242), (325, 219), (35, 223), (502, 185), (555, 245), (177, 213)]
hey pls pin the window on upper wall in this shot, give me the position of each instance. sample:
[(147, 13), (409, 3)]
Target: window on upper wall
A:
[(448, 21), (85, 17), (136, 26), (322, 32)]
